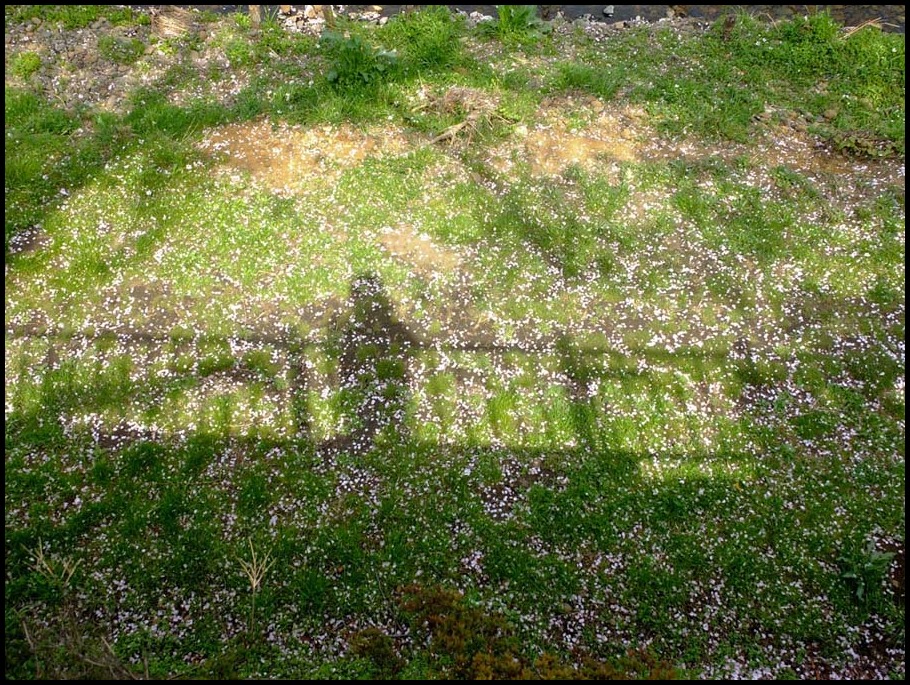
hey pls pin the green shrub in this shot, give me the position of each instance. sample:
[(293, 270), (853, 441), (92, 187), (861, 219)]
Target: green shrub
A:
[(515, 24), (355, 63)]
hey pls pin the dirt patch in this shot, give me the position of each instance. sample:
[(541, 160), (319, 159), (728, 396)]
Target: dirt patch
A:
[(286, 159), (28, 241), (550, 154), (418, 250), (601, 140), (581, 130)]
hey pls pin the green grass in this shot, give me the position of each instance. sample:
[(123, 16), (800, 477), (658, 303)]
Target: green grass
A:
[(121, 51), (642, 415), (76, 16)]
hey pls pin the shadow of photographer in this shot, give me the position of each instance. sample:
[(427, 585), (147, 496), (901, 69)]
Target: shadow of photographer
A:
[(372, 369)]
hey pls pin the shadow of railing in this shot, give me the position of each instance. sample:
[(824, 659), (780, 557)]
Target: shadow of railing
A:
[(371, 348)]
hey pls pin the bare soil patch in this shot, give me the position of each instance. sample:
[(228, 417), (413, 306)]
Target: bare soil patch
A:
[(418, 250), (286, 159)]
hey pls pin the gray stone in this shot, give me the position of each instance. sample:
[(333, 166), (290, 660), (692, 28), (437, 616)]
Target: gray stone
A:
[(608, 11)]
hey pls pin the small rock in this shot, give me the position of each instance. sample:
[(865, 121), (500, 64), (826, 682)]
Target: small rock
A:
[(36, 21), (608, 11), (597, 105), (521, 130), (29, 28), (203, 34), (383, 21), (89, 58), (7, 39), (830, 114)]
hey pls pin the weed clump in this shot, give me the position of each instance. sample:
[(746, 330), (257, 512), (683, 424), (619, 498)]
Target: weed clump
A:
[(515, 24), (428, 39), (25, 65), (120, 50), (467, 642), (354, 63), (376, 647)]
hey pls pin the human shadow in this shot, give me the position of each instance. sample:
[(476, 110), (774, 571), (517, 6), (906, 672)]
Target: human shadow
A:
[(373, 350)]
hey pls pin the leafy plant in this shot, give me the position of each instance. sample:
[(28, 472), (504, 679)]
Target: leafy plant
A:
[(355, 62), (240, 52), (865, 571), (515, 23)]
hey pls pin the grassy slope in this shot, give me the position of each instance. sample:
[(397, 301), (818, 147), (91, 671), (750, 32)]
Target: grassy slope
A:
[(656, 403)]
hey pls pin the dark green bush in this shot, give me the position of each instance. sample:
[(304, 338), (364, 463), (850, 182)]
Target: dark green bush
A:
[(354, 63)]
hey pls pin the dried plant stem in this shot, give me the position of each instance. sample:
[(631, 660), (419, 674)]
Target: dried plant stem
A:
[(255, 571)]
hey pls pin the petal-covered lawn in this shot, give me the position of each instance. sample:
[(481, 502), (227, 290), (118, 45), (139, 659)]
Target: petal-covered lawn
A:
[(489, 357)]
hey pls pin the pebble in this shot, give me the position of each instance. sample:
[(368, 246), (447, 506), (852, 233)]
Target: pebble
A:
[(608, 10)]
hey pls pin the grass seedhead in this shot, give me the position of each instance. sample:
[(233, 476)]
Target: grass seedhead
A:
[(57, 574), (255, 571)]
